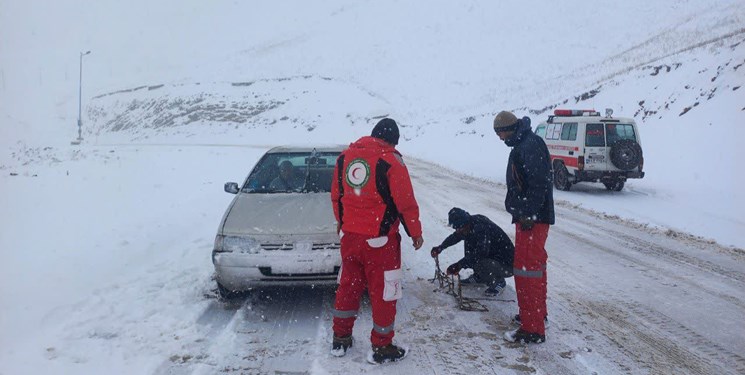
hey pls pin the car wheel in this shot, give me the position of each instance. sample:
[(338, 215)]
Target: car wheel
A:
[(615, 185), (561, 176), (625, 154), (225, 293)]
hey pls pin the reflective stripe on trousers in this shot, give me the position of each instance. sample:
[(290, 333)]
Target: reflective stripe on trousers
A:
[(383, 330), (344, 314), (525, 273)]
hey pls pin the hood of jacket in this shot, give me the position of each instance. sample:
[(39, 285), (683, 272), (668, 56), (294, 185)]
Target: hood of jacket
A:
[(523, 128), (369, 145)]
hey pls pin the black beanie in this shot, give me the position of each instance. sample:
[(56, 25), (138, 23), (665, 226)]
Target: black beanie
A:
[(387, 130), (458, 217)]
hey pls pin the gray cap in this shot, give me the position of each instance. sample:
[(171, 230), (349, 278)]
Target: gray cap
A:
[(504, 119)]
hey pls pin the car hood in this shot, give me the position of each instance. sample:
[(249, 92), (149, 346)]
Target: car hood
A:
[(286, 214)]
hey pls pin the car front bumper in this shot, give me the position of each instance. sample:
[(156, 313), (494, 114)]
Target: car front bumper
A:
[(241, 271)]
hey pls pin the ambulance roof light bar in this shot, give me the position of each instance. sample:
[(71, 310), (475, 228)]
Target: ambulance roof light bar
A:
[(575, 112)]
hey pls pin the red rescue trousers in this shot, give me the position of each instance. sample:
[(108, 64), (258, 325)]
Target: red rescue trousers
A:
[(379, 269), (530, 276)]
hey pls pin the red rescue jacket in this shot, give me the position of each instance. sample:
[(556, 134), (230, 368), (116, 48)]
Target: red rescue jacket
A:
[(371, 192)]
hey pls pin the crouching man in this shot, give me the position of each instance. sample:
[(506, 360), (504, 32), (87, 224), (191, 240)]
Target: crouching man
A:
[(487, 249)]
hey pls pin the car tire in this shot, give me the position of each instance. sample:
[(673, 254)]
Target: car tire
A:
[(561, 176), (225, 293), (625, 154), (615, 185)]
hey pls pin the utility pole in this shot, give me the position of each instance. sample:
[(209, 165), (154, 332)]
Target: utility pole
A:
[(80, 102)]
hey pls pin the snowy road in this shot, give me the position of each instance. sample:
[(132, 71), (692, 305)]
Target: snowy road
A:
[(622, 299)]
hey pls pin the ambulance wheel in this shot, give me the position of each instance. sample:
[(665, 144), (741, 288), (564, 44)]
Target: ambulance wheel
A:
[(615, 185), (561, 176)]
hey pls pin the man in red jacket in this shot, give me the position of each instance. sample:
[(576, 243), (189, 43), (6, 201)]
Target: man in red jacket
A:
[(371, 194)]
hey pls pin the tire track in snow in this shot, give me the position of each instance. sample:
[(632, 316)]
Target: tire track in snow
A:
[(215, 319), (660, 251), (277, 331), (618, 317), (635, 255)]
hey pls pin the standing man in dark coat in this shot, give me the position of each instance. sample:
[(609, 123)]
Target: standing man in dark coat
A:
[(530, 201), (487, 250)]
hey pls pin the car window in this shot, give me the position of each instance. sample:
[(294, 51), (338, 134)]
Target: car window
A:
[(292, 172), (569, 132), (619, 131), (541, 131), (595, 135)]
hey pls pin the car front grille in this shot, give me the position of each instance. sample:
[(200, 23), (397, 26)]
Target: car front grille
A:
[(289, 246), (267, 271)]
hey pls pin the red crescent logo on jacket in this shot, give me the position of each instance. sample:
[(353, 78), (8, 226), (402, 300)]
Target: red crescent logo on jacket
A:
[(358, 172)]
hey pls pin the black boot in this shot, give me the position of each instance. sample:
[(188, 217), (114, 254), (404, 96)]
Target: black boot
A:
[(388, 353), (524, 337), (340, 345)]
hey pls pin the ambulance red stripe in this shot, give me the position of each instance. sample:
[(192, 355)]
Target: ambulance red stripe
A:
[(569, 161)]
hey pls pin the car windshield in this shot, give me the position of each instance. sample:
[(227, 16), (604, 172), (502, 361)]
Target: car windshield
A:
[(292, 172)]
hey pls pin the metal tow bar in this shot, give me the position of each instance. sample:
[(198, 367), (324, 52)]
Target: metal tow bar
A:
[(449, 283)]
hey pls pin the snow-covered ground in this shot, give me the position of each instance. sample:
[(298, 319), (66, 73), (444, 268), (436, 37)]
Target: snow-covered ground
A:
[(105, 246)]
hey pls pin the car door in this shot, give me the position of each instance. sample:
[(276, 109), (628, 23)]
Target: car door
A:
[(596, 158)]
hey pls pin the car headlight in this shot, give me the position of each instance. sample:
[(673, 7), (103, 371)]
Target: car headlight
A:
[(235, 244)]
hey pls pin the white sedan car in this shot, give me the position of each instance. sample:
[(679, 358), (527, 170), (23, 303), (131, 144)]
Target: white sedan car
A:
[(280, 227)]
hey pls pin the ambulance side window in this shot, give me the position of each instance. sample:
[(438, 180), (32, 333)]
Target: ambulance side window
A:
[(595, 135), (569, 132), (553, 131), (619, 131)]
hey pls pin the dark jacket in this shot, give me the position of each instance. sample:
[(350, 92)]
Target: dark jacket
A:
[(485, 240), (530, 191)]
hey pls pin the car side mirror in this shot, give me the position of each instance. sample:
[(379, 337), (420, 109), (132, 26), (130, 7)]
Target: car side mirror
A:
[(231, 187)]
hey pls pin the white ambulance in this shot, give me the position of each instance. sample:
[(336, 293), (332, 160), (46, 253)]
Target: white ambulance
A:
[(585, 146)]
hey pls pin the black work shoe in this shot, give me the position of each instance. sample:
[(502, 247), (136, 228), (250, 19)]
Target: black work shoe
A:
[(340, 345), (516, 319), (524, 337), (470, 280), (495, 289), (388, 353)]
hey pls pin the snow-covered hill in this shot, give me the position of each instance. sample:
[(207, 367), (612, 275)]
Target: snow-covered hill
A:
[(685, 94)]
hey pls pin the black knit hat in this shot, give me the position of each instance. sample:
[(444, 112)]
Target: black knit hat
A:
[(387, 130), (458, 217)]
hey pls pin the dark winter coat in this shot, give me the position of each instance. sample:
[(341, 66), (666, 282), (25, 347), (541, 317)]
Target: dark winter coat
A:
[(485, 240), (530, 191)]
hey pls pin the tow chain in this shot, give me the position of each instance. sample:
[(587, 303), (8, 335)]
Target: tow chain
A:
[(449, 283)]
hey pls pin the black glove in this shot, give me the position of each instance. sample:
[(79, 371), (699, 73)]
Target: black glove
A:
[(526, 223), (436, 251), (453, 269)]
